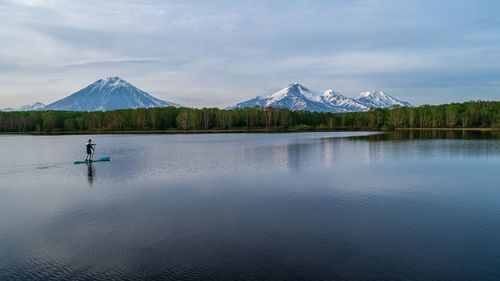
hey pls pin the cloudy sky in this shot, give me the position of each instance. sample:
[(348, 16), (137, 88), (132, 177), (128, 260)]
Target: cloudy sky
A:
[(219, 52)]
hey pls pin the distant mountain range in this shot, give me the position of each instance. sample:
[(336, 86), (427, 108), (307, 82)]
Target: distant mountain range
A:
[(298, 97), (115, 93), (32, 107)]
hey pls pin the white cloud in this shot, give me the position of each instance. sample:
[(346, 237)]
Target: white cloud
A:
[(219, 51)]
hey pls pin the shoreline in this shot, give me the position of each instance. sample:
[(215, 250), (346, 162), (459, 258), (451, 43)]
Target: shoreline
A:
[(449, 129), (236, 131), (183, 132)]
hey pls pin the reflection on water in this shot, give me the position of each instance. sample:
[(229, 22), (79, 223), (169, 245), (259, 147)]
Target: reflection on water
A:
[(311, 206), (410, 135), (431, 143), (90, 173)]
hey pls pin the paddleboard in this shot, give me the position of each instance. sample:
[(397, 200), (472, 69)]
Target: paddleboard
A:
[(101, 159)]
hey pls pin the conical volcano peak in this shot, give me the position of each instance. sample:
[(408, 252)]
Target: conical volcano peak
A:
[(292, 90), (108, 94), (114, 78), (296, 86), (113, 81)]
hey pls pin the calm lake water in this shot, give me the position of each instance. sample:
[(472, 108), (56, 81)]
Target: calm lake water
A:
[(306, 206)]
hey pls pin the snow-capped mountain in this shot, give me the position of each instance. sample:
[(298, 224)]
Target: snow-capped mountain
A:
[(108, 94), (35, 106), (298, 97), (341, 103), (380, 99), (29, 107), (7, 109), (293, 97)]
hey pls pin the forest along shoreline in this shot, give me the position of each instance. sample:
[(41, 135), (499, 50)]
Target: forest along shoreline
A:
[(475, 115), (247, 131)]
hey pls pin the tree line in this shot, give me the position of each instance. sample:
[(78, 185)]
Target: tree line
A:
[(474, 114)]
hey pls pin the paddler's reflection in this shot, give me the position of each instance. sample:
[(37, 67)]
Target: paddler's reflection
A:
[(90, 173)]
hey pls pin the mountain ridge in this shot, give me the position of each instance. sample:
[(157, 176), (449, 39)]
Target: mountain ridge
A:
[(29, 107), (380, 99), (114, 93), (298, 97)]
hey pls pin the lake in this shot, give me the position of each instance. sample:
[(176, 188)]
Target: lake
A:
[(297, 206)]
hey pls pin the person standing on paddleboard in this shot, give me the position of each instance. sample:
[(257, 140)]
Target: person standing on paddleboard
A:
[(90, 150)]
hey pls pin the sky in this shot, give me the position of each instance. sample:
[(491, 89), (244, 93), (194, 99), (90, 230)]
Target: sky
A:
[(220, 52)]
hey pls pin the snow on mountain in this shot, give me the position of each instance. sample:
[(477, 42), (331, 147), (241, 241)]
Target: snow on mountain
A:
[(115, 93), (35, 106), (29, 107), (380, 99), (298, 97), (293, 97), (341, 103), (108, 94), (8, 109)]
